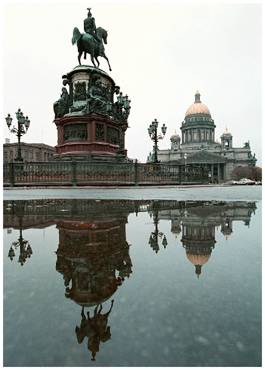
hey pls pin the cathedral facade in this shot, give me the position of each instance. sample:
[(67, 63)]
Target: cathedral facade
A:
[(197, 147)]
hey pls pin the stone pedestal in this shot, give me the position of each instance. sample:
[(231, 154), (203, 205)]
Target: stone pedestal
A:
[(91, 118)]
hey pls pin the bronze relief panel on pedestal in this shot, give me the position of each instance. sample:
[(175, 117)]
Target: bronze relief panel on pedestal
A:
[(75, 132), (100, 132)]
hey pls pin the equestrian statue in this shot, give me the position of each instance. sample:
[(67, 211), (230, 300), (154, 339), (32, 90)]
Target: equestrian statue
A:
[(91, 41)]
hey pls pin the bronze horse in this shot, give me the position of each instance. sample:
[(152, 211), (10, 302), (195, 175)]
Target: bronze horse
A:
[(94, 328), (86, 43)]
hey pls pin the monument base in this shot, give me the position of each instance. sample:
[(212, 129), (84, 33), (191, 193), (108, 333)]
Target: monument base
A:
[(91, 126)]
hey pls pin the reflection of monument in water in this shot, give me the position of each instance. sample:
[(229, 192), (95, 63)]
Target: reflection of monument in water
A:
[(93, 257), (198, 220), (93, 254)]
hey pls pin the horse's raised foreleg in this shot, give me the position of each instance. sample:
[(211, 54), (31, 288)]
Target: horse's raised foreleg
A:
[(104, 56), (92, 60), (79, 57), (100, 308), (95, 310), (109, 311), (97, 61)]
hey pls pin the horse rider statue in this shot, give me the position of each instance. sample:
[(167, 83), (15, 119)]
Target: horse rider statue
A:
[(91, 41), (90, 25)]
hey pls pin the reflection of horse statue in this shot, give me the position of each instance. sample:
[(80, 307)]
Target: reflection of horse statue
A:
[(86, 43), (95, 329)]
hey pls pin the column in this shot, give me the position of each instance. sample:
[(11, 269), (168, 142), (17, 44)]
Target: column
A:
[(218, 172)]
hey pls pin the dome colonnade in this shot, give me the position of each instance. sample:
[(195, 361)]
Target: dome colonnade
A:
[(198, 125)]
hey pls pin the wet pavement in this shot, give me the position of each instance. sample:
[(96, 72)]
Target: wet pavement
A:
[(253, 192), (91, 282)]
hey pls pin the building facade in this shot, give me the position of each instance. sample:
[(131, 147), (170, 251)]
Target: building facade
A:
[(30, 152), (197, 146)]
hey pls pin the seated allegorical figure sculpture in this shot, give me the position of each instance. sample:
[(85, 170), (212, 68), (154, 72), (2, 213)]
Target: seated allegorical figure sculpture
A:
[(61, 106)]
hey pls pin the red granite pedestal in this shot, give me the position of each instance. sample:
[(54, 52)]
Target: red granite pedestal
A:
[(90, 137)]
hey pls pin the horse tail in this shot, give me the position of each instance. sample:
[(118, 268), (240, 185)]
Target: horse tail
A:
[(76, 35)]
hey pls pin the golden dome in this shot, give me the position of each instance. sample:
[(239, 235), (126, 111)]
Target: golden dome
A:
[(196, 259), (197, 107)]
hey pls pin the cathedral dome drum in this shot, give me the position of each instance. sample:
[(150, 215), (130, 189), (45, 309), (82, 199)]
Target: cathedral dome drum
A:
[(198, 125)]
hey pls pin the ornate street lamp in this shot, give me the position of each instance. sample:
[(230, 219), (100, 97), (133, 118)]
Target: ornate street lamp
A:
[(155, 235), (23, 245), (22, 127), (121, 108), (152, 131), (25, 250)]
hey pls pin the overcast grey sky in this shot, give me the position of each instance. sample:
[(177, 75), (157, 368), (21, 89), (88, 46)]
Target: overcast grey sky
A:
[(160, 53)]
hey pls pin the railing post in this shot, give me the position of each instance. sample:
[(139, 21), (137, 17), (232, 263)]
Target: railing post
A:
[(136, 172), (73, 173), (11, 174)]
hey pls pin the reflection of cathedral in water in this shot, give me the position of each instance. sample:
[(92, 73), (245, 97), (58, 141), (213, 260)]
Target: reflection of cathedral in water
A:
[(198, 240), (198, 221), (93, 254)]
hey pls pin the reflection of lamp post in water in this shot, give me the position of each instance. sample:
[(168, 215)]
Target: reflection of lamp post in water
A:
[(153, 239), (25, 250)]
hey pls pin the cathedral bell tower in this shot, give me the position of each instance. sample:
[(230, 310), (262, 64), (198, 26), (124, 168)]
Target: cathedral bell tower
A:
[(226, 140)]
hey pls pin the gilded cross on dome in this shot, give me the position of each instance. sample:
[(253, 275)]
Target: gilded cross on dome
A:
[(197, 97)]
